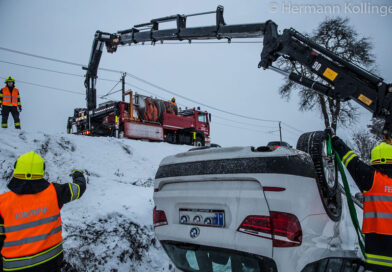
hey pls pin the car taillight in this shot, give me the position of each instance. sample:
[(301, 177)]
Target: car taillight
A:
[(287, 230), (256, 225), (159, 218), (283, 228)]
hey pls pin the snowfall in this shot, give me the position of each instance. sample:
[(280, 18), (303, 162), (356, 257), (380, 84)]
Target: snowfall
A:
[(110, 228)]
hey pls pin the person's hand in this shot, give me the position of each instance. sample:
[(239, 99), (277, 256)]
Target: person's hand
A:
[(20, 108), (76, 172), (329, 132)]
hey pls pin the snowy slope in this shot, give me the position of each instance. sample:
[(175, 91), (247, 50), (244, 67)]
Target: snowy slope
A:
[(110, 227)]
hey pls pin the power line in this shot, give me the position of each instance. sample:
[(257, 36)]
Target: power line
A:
[(142, 80), (108, 93), (50, 70), (293, 128), (79, 93), (139, 79), (198, 102), (148, 83), (53, 59), (255, 130), (49, 87), (242, 123), (40, 57), (144, 90)]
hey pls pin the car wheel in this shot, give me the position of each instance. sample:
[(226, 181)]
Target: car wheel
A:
[(315, 144)]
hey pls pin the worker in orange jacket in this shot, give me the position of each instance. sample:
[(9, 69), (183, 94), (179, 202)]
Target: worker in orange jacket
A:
[(10, 103), (30, 221), (375, 181), (173, 102)]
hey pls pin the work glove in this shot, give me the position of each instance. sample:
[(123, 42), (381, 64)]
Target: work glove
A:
[(329, 132), (20, 108), (76, 173)]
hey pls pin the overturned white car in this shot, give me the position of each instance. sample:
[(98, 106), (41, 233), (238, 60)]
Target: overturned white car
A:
[(255, 209)]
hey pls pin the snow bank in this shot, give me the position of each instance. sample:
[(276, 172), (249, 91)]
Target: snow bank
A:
[(110, 227)]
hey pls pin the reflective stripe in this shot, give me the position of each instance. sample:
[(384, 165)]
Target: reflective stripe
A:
[(348, 157), (32, 224), (31, 239), (4, 125), (383, 215), (379, 260), (1, 229), (378, 198), (26, 262), (75, 190), (347, 154)]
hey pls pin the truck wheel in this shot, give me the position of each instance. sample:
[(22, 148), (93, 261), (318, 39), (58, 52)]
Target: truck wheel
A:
[(315, 144), (199, 142)]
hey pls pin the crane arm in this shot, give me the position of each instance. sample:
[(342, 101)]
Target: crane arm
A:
[(343, 79), (150, 32)]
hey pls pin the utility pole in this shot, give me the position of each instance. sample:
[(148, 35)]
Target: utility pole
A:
[(123, 87), (280, 132)]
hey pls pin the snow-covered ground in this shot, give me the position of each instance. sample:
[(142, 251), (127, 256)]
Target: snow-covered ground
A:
[(110, 227)]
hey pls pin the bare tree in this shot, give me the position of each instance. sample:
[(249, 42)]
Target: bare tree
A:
[(339, 37), (376, 128), (363, 143)]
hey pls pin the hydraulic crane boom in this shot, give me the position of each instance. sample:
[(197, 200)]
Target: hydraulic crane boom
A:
[(345, 80), (150, 32)]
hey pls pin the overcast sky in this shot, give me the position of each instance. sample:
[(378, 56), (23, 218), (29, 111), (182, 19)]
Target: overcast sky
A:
[(221, 75)]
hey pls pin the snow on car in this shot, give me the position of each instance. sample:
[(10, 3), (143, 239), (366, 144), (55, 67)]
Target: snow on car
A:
[(254, 209)]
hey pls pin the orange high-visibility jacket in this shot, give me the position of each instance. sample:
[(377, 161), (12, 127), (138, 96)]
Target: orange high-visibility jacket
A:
[(32, 228), (377, 206), (10, 99)]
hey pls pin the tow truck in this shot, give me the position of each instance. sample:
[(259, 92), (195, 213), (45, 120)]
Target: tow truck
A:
[(144, 118)]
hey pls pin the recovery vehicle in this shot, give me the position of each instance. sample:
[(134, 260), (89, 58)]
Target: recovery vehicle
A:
[(144, 118)]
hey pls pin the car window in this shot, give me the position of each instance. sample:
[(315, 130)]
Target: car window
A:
[(319, 266), (335, 264), (195, 258)]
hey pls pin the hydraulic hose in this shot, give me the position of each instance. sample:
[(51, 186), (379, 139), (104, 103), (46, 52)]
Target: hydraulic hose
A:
[(350, 203)]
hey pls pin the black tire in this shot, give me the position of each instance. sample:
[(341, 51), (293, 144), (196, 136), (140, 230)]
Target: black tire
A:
[(315, 144), (199, 142)]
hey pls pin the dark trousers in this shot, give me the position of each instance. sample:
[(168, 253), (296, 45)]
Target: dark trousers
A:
[(5, 112), (379, 245)]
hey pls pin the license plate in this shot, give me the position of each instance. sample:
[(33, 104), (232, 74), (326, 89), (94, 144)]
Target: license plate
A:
[(202, 217)]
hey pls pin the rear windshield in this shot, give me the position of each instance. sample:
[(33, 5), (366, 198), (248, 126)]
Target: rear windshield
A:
[(190, 257)]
